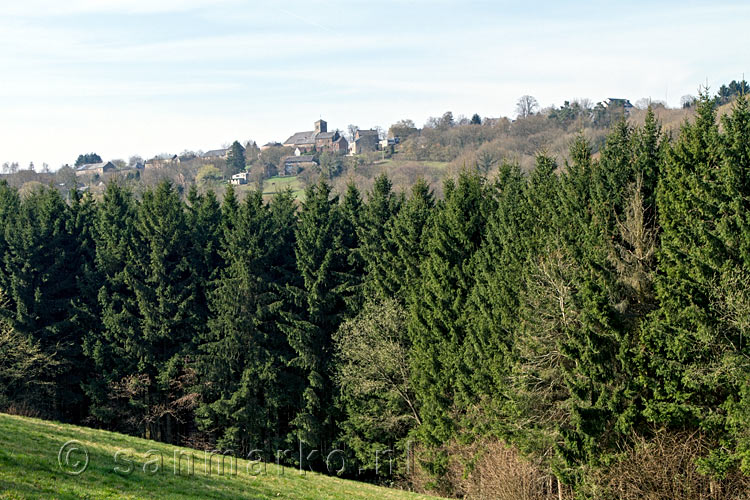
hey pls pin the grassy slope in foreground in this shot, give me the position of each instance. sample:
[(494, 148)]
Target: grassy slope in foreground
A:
[(29, 469)]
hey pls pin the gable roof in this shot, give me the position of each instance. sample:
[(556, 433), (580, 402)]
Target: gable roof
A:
[(301, 138), (325, 135), (299, 159), (214, 153), (95, 166)]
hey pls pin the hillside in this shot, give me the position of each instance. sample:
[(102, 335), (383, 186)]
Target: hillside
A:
[(432, 153), (29, 469)]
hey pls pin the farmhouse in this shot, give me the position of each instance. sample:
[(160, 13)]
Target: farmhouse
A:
[(160, 161), (95, 168), (216, 154), (291, 165), (364, 141), (618, 103), (240, 179)]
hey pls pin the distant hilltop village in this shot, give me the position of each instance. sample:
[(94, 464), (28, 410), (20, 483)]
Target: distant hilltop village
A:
[(304, 149), (305, 145), (317, 150)]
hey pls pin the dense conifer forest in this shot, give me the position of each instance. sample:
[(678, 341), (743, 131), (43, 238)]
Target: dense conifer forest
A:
[(583, 326)]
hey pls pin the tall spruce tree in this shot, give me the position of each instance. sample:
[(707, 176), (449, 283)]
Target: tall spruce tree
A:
[(351, 228), (248, 389), (493, 307), (409, 236), (536, 391), (320, 308), (235, 159), (108, 346), (41, 265), (728, 297), (377, 249), (650, 146), (166, 291), (437, 326), (9, 205), (205, 224), (682, 339)]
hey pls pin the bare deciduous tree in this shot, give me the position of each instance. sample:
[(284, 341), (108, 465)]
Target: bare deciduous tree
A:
[(526, 106), (643, 103), (351, 131)]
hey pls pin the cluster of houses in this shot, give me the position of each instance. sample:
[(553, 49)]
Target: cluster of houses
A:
[(321, 139), (156, 162), (318, 140), (104, 167), (305, 144)]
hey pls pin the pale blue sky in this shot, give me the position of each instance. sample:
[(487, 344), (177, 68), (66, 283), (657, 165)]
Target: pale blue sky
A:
[(123, 77)]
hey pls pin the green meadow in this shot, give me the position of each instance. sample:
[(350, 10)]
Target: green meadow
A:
[(32, 465)]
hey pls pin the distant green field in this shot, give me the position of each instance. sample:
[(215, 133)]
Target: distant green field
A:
[(33, 464), (275, 184)]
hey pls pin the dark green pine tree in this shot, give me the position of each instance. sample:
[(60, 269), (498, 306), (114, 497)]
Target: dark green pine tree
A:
[(729, 302), (248, 390), (166, 290), (319, 309), (284, 216), (9, 205), (377, 249), (290, 382), (625, 265), (493, 306), (204, 220), (110, 347), (41, 267), (736, 167), (351, 227), (230, 209), (437, 327), (86, 311), (682, 340), (650, 147), (409, 236), (576, 193), (596, 373), (235, 159), (613, 173)]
